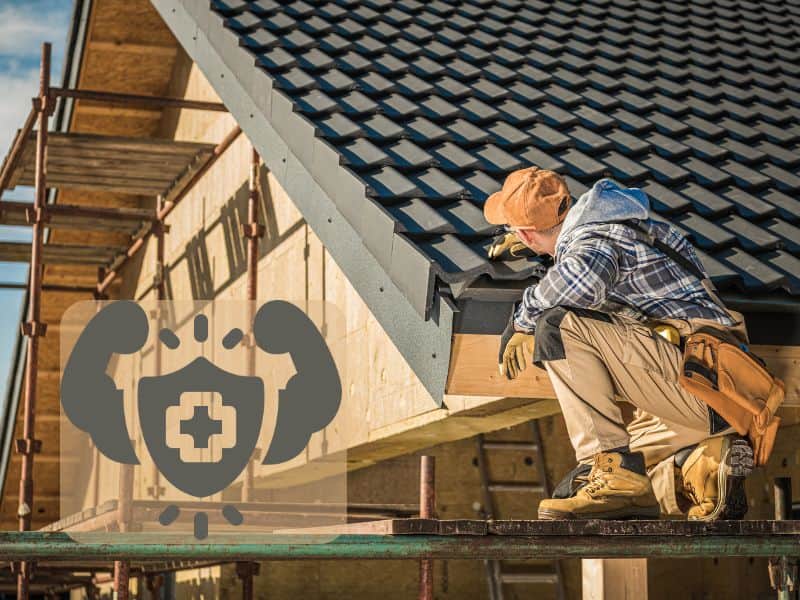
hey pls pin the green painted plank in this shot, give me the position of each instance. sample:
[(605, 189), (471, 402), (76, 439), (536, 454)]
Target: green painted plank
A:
[(59, 546)]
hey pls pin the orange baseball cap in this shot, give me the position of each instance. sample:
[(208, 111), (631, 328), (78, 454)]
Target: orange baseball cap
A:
[(531, 198)]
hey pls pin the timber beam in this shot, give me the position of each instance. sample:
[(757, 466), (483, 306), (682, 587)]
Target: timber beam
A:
[(473, 370)]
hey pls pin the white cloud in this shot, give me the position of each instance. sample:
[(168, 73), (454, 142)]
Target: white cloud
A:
[(24, 26)]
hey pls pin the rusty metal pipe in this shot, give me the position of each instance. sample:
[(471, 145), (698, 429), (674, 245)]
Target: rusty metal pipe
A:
[(122, 579), (782, 570), (170, 205), (34, 328), (246, 571), (144, 101), (252, 231), (427, 510)]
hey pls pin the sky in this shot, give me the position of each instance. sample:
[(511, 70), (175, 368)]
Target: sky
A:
[(24, 25)]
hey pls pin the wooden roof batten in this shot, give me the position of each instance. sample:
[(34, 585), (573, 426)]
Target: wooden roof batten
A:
[(114, 164)]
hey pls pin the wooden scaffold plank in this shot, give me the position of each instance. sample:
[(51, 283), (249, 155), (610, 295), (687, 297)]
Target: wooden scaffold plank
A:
[(60, 254)]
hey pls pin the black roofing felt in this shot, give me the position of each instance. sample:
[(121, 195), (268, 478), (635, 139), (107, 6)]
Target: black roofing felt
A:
[(431, 104)]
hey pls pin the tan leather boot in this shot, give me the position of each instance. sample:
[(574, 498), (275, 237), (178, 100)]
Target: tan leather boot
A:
[(615, 491), (713, 478)]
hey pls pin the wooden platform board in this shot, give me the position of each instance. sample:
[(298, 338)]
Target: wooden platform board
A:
[(112, 163)]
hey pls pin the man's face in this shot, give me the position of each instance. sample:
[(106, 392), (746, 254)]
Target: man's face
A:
[(541, 243)]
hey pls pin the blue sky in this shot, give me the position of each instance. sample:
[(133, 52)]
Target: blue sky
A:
[(24, 25)]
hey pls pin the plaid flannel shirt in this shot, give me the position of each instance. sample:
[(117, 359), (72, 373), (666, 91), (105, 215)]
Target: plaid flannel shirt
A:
[(605, 267)]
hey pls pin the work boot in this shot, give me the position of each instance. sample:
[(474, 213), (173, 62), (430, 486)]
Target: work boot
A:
[(618, 488), (572, 482), (713, 477)]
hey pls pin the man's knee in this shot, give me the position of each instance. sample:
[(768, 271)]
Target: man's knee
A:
[(549, 338)]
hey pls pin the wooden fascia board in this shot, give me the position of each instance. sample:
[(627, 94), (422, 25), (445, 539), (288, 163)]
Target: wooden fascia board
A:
[(473, 370)]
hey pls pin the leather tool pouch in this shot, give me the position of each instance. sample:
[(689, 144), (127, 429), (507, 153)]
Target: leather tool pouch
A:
[(724, 374)]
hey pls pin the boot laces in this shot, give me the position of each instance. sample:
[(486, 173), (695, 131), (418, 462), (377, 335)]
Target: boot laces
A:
[(597, 476)]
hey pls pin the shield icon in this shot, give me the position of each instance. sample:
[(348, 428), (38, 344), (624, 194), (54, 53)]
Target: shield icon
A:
[(245, 394)]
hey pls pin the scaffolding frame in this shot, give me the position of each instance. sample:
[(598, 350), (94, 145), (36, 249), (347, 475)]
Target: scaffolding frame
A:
[(141, 225)]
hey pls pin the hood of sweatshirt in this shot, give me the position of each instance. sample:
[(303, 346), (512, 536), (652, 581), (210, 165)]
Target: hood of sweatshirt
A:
[(606, 202)]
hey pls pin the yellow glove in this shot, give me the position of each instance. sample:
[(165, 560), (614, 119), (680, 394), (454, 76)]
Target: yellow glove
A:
[(508, 244), (516, 354)]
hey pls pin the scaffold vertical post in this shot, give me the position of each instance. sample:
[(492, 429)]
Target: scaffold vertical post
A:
[(33, 328), (121, 579), (783, 569), (246, 572), (427, 510), (252, 231)]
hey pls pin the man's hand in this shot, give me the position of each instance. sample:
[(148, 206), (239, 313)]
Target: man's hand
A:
[(516, 355), (507, 245), (516, 350)]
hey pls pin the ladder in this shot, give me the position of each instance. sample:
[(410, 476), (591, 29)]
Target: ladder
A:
[(496, 575)]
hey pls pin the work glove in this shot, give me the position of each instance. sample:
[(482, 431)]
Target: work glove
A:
[(506, 245), (516, 350)]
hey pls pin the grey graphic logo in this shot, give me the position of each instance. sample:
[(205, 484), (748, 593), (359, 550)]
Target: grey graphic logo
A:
[(93, 403)]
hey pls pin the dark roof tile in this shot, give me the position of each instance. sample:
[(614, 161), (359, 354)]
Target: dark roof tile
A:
[(544, 160), (581, 165), (389, 183), (432, 104), (406, 154), (706, 202), (465, 133), (496, 160), (748, 205), (788, 266), (788, 234), (704, 233), (665, 171), (750, 237), (756, 275), (436, 184), (783, 179), (589, 141), (452, 157), (624, 169), (665, 200), (630, 144)]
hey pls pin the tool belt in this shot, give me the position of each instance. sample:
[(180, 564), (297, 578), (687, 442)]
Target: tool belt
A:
[(719, 369), (736, 384)]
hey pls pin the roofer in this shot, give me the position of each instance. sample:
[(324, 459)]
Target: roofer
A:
[(620, 277)]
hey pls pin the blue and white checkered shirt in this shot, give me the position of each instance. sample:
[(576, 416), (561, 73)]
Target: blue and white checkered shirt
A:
[(606, 267)]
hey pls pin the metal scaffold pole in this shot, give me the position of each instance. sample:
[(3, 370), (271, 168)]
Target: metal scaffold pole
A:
[(33, 328), (427, 510), (252, 231)]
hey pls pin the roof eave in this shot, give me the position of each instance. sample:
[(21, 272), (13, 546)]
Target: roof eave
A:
[(424, 343)]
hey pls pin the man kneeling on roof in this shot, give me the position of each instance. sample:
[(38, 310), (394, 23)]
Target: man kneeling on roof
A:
[(597, 314)]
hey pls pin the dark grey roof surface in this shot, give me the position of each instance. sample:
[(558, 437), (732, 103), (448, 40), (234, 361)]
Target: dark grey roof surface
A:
[(431, 104)]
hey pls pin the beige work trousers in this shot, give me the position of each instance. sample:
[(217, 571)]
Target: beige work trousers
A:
[(625, 360)]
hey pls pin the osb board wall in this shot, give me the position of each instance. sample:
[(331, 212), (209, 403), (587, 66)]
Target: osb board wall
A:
[(205, 257)]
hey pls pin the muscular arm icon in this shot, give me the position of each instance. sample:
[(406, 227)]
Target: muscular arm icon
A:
[(89, 396), (312, 396)]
